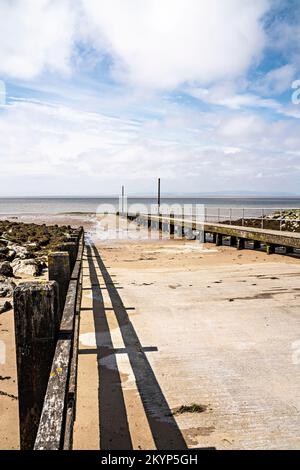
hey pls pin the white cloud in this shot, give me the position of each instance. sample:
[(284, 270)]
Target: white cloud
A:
[(276, 81), (203, 46), (35, 36), (163, 44), (225, 95), (151, 43), (65, 151)]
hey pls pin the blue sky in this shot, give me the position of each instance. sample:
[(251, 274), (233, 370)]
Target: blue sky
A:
[(101, 93)]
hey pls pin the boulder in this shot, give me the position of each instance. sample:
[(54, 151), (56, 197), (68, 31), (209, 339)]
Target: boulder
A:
[(28, 267), (11, 255), (5, 306), (6, 287), (6, 269), (21, 252)]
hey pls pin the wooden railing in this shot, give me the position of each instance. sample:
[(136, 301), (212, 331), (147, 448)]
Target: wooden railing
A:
[(47, 317), (56, 424)]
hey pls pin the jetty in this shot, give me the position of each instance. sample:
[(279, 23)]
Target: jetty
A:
[(218, 232)]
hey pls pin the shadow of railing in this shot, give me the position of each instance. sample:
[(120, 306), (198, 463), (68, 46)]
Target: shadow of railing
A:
[(112, 413), (114, 429)]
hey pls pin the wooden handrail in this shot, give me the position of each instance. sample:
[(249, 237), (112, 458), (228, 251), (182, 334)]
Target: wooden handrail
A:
[(58, 413)]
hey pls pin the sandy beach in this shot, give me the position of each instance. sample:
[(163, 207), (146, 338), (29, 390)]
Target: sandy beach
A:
[(172, 323)]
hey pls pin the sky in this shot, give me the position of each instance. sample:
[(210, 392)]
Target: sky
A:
[(94, 94)]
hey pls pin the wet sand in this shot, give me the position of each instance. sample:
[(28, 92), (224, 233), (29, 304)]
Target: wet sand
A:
[(166, 323)]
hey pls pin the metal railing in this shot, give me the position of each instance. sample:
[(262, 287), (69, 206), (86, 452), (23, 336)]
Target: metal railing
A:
[(284, 218)]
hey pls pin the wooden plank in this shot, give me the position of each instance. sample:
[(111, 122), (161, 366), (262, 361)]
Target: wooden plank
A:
[(73, 371), (72, 387), (49, 434), (76, 271), (69, 424), (80, 250), (67, 321)]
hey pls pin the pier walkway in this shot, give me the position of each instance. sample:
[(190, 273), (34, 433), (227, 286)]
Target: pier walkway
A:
[(238, 234)]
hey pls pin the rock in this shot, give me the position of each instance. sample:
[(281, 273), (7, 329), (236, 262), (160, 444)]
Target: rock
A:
[(6, 287), (29, 267), (5, 306), (42, 263), (44, 241), (21, 252), (6, 269), (11, 255)]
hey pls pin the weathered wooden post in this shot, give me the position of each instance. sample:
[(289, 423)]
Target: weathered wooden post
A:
[(219, 239), (240, 243), (214, 237), (59, 271), (72, 249), (171, 224), (36, 328)]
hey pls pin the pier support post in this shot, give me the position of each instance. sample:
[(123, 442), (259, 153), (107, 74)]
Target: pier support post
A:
[(179, 231), (36, 327), (289, 250), (202, 236), (219, 239), (171, 224), (270, 249), (59, 271), (232, 241), (214, 237), (240, 243), (256, 245)]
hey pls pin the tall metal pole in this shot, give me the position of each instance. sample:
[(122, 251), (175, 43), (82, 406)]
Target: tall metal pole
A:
[(122, 199), (158, 195)]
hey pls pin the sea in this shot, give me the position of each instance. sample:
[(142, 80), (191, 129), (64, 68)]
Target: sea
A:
[(215, 207)]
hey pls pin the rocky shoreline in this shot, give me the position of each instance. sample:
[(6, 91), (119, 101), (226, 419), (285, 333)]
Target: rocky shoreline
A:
[(23, 253)]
